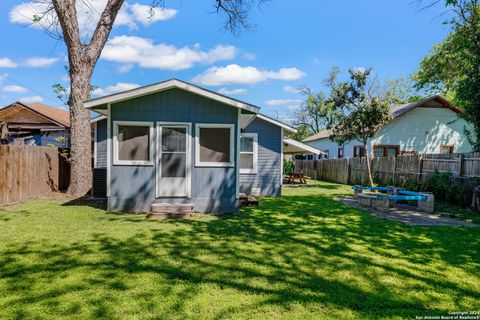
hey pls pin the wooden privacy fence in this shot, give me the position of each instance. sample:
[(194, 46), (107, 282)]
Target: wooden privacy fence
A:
[(29, 171), (390, 170)]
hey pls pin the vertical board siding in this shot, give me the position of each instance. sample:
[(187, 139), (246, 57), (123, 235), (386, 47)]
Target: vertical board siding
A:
[(267, 178), (133, 188), (27, 172)]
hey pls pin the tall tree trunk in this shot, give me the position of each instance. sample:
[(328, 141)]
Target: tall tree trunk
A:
[(369, 167), (80, 132), (82, 58)]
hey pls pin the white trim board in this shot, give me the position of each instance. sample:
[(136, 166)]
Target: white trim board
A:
[(109, 148), (118, 162), (95, 141), (165, 85), (282, 125), (98, 118), (304, 147)]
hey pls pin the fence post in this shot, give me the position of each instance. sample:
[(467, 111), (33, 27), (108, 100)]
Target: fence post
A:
[(461, 165), (349, 169), (420, 168), (394, 170)]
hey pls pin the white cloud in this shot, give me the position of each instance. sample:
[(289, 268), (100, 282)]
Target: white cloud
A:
[(283, 102), (249, 56), (7, 63), (33, 99), (39, 62), (15, 89), (3, 76), (235, 74), (291, 89), (124, 68), (119, 87), (232, 91), (33, 14), (145, 53), (148, 15)]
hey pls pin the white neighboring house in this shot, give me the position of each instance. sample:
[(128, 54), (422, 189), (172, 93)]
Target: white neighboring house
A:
[(431, 125)]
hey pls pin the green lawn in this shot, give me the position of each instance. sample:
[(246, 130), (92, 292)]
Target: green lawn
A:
[(301, 256)]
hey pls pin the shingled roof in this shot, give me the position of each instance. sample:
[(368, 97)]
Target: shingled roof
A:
[(397, 111), (60, 116)]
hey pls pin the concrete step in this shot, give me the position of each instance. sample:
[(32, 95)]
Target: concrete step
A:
[(169, 210)]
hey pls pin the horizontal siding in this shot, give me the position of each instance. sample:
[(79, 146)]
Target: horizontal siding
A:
[(267, 178), (422, 130)]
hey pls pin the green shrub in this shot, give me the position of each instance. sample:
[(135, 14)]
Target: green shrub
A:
[(440, 184), (288, 166)]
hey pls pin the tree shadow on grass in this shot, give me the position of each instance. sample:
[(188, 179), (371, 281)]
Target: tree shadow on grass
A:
[(86, 201), (299, 250)]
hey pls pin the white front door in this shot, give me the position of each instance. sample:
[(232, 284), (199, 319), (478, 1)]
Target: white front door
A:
[(173, 166)]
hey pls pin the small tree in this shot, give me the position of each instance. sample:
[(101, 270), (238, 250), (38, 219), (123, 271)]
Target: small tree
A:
[(360, 110), (313, 115)]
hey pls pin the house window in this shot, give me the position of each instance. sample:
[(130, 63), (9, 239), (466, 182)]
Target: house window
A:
[(340, 152), (309, 156), (132, 143), (446, 149), (358, 151), (248, 153), (386, 150), (214, 145), (326, 154)]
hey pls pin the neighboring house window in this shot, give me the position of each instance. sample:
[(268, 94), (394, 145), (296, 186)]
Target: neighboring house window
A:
[(340, 152), (386, 150), (358, 151), (326, 155), (214, 145), (309, 156), (248, 153), (446, 149), (132, 143)]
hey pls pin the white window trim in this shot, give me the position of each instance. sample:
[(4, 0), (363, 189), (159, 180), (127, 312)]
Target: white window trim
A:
[(199, 163), (118, 162), (254, 170)]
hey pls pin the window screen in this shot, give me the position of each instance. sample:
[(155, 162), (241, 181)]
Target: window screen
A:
[(214, 144), (133, 143)]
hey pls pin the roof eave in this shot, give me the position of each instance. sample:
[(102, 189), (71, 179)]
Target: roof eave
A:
[(165, 85), (284, 126)]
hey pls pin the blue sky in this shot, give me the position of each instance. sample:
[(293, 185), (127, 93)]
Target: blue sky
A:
[(293, 43)]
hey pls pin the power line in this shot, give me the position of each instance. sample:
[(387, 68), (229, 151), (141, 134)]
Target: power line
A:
[(8, 77)]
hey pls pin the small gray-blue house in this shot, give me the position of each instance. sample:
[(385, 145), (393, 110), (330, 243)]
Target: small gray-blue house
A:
[(176, 143)]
